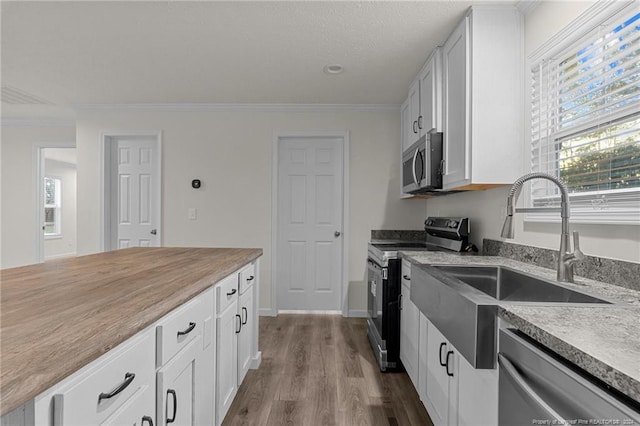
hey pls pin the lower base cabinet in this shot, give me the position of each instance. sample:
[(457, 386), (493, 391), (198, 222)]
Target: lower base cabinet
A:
[(130, 412), (453, 392), (176, 385), (226, 360)]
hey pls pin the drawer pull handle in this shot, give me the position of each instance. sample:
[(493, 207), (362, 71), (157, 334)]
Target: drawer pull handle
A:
[(128, 378), (147, 419), (232, 292), (175, 405), (406, 277), (442, 364), (447, 364), (239, 323), (189, 329), (245, 311), (251, 277)]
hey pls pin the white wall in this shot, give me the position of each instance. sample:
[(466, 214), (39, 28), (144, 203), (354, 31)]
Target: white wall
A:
[(487, 208), (231, 153), (18, 191), (65, 244)]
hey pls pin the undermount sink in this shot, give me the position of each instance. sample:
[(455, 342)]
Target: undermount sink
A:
[(510, 285)]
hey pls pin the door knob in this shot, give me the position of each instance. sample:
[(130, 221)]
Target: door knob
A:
[(336, 234), (154, 232)]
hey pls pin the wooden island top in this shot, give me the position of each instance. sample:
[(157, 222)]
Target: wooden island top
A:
[(58, 316)]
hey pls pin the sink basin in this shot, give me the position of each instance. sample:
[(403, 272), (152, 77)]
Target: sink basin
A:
[(510, 285)]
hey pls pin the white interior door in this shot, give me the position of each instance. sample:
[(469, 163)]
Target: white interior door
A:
[(309, 223), (137, 181)]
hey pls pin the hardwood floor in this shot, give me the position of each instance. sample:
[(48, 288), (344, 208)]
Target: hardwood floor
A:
[(320, 370)]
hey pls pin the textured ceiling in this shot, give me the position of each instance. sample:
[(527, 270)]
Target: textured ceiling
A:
[(218, 52)]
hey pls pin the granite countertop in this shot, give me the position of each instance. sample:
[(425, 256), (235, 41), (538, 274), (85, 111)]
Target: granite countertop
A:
[(59, 316), (602, 340)]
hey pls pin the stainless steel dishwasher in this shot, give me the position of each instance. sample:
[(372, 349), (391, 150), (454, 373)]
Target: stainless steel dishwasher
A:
[(536, 388)]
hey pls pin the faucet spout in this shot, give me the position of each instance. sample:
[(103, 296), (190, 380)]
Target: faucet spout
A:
[(566, 259)]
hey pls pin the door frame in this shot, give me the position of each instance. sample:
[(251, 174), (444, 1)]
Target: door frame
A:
[(344, 284), (108, 193), (38, 190)]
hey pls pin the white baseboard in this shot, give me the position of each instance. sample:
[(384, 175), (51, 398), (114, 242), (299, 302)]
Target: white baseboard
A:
[(60, 256), (354, 313), (266, 312), (295, 311), (256, 360)]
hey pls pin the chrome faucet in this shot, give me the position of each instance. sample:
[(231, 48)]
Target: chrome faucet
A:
[(566, 259)]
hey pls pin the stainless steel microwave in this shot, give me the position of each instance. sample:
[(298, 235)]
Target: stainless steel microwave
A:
[(422, 165)]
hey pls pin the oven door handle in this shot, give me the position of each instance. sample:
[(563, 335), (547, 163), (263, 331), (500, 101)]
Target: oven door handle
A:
[(532, 396), (415, 157)]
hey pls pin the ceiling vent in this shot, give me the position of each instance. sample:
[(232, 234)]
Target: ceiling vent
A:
[(14, 96)]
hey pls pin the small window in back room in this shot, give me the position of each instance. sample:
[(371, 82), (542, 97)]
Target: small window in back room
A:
[(585, 121), (52, 207)]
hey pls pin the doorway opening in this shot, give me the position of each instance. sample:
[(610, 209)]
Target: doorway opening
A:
[(55, 191)]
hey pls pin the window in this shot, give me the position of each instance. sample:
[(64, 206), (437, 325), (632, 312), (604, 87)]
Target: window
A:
[(52, 207), (585, 120)]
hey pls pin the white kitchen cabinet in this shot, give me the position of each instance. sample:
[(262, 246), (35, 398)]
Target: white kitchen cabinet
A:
[(442, 379), (483, 98), (246, 311), (414, 112), (129, 413), (450, 386), (185, 357), (423, 356), (409, 327), (430, 79), (228, 323), (405, 126), (474, 411), (176, 387)]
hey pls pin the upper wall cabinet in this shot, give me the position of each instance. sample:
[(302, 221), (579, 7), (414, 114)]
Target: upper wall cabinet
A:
[(422, 110), (483, 99), (472, 89)]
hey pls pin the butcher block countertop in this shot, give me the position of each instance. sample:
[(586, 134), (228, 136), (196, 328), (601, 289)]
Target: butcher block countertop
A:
[(59, 316)]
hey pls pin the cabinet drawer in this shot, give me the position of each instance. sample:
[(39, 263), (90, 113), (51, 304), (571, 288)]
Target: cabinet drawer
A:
[(181, 326), (99, 392), (226, 292), (247, 277)]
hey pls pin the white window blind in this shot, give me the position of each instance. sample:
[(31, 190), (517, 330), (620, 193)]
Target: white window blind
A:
[(585, 122)]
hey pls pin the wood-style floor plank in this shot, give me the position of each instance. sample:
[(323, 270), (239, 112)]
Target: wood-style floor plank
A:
[(320, 370)]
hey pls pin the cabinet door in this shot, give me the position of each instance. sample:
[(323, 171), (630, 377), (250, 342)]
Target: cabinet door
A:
[(176, 387), (423, 356), (414, 108), (409, 324), (245, 337), (455, 60), (441, 379), (430, 96), (228, 322), (136, 411), (405, 123), (472, 410)]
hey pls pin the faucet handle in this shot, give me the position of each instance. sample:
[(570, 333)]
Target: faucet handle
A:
[(577, 253)]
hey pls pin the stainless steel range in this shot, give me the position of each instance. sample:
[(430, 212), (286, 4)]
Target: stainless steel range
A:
[(449, 234)]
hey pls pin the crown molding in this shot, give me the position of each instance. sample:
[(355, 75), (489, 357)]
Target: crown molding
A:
[(588, 20), (243, 107), (526, 6), (37, 122)]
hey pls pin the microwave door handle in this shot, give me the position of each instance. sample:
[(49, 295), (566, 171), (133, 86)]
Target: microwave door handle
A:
[(415, 157), (520, 382)]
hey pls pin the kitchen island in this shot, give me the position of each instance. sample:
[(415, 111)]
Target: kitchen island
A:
[(59, 316)]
